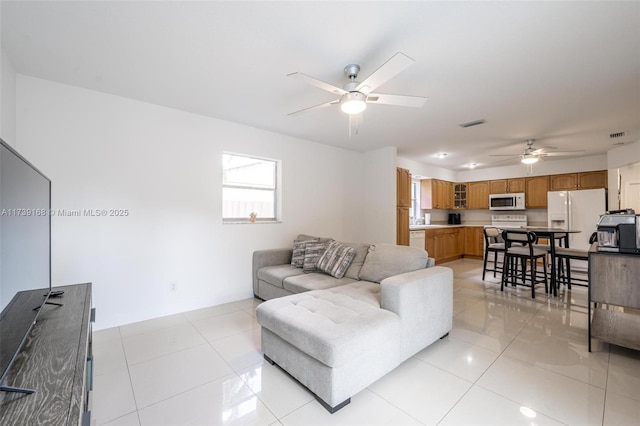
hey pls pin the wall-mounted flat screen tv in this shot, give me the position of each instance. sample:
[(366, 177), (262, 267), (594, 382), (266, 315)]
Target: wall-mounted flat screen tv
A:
[(25, 253)]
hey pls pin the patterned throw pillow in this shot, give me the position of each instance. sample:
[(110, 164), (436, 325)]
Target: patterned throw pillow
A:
[(336, 259), (297, 259), (313, 252)]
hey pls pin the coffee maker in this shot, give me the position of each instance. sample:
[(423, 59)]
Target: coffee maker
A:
[(454, 219), (619, 231)]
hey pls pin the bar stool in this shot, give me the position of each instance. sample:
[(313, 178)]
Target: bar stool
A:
[(523, 253), (492, 244), (564, 256)]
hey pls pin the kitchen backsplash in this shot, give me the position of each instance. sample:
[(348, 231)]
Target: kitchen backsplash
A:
[(484, 216)]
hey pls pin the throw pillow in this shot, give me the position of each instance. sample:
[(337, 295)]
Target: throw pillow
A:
[(336, 259), (297, 259), (312, 253)]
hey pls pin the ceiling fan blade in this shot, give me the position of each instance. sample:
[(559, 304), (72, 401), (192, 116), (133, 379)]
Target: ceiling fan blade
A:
[(400, 100), (559, 153), (387, 71), (315, 107), (505, 155), (318, 83)]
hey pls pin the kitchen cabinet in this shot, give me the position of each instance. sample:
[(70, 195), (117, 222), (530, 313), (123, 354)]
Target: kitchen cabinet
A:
[(473, 242), (435, 194), (459, 196), (478, 195), (614, 298), (536, 188), (582, 180), (403, 192), (402, 226), (445, 244), (506, 186)]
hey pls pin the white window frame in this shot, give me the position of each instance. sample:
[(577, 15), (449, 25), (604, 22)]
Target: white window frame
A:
[(276, 189)]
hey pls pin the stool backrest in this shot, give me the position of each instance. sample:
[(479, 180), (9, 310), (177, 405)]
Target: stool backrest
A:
[(525, 239), (492, 236)]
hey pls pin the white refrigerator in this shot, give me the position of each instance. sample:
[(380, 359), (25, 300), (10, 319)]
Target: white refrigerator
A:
[(579, 210)]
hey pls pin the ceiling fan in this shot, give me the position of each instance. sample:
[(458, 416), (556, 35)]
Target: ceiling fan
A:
[(354, 95), (531, 155)]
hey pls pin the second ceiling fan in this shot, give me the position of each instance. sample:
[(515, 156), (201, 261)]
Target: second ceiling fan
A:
[(354, 95), (532, 155)]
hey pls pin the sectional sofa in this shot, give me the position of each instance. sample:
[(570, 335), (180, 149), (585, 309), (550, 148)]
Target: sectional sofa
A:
[(337, 334)]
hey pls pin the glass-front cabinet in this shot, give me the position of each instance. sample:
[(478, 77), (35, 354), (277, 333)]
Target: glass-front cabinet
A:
[(460, 196)]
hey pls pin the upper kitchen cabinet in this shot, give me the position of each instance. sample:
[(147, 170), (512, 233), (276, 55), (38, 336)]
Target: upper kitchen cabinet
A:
[(582, 180), (435, 194), (505, 186), (478, 195), (460, 196), (536, 188), (403, 192)]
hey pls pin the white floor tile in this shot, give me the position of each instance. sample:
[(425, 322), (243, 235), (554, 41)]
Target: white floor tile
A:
[(152, 324), (169, 375), (424, 392), (621, 411), (624, 373), (148, 345), (128, 420), (559, 397), (226, 401), (211, 311), (112, 396), (240, 350), (108, 356), (460, 358), (482, 407), (225, 325), (366, 409), (280, 392)]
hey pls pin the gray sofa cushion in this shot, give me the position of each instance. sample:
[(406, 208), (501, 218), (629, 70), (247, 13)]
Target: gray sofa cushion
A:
[(332, 328), (274, 275), (336, 259), (358, 260), (313, 281), (364, 291), (387, 260)]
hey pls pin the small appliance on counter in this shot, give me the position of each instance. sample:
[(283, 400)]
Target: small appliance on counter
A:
[(427, 218), (619, 231), (454, 219)]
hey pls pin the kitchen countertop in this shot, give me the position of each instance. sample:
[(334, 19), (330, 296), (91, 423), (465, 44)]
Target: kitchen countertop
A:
[(444, 225)]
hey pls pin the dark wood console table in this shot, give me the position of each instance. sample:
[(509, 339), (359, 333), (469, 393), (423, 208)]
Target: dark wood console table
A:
[(56, 361)]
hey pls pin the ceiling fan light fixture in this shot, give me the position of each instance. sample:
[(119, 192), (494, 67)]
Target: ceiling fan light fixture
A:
[(353, 103), (529, 159)]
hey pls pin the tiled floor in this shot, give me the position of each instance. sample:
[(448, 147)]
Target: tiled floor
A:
[(507, 356)]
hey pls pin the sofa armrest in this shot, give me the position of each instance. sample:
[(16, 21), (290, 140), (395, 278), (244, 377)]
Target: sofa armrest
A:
[(423, 300), (270, 257)]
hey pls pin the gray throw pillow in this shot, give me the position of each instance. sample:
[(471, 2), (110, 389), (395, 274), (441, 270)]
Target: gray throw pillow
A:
[(387, 260), (312, 253), (299, 247), (336, 259)]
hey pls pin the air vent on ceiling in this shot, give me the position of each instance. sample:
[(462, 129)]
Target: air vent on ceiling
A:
[(617, 135), (473, 123)]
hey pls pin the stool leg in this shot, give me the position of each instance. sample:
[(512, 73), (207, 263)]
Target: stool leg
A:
[(569, 273), (533, 278), (484, 264), (495, 263)]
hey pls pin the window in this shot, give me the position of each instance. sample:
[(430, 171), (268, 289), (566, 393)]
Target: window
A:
[(414, 212), (249, 185)]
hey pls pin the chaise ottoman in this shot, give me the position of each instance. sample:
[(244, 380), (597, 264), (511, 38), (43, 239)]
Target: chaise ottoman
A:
[(333, 344)]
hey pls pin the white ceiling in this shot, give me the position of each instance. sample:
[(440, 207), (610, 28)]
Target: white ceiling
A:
[(564, 73)]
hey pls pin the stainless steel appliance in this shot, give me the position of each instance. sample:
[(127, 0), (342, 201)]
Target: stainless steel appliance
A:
[(514, 201), (619, 232)]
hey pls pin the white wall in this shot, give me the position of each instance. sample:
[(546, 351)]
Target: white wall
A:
[(617, 158), (164, 167), (7, 99), (379, 189), (426, 171)]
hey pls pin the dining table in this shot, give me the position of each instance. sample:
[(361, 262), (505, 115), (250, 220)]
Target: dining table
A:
[(552, 234)]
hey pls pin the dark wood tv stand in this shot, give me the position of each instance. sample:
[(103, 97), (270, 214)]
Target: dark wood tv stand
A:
[(56, 361)]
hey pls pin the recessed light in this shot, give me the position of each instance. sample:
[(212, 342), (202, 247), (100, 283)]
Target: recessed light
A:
[(441, 155), (528, 412), (471, 165)]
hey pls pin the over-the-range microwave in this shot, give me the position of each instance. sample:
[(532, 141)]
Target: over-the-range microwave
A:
[(514, 201)]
